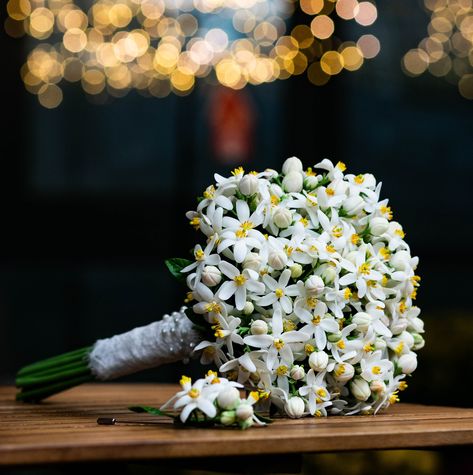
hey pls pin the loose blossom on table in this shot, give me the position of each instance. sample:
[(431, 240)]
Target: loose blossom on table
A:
[(304, 288)]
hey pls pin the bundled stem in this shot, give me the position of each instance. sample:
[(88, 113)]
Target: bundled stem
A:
[(44, 378)]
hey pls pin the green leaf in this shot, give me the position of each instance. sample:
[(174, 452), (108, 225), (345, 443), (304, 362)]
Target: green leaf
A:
[(175, 266), (197, 321), (150, 410), (267, 420)]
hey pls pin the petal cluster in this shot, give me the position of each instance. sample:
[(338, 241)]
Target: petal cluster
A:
[(307, 288)]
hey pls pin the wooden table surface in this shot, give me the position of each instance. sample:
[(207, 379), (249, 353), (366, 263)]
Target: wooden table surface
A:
[(64, 429)]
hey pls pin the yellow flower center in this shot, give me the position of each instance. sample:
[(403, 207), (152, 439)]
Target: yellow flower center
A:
[(341, 344), (340, 370), (330, 191), (289, 325), (214, 307), (311, 302), (341, 166), (241, 233), (308, 348), (317, 413), (281, 370), (238, 171), (316, 320), (385, 253), (399, 348), (384, 281), (278, 343), (321, 392), (376, 370), (386, 210), (402, 385), (359, 179), (274, 200), (189, 297), (247, 225), (400, 233), (347, 293), (209, 192), (330, 248), (368, 347), (279, 293), (289, 250), (337, 231), (355, 239), (194, 393), (394, 398), (199, 255), (239, 279), (185, 380), (310, 172), (304, 221), (195, 222), (402, 306), (364, 269), (372, 283)]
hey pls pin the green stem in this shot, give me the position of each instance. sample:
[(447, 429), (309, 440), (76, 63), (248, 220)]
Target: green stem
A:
[(53, 370), (36, 395), (29, 381), (60, 360)]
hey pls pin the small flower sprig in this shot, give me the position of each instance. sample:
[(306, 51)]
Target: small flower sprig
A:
[(210, 401)]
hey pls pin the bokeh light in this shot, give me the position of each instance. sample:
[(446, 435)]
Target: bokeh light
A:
[(162, 46), (447, 51)]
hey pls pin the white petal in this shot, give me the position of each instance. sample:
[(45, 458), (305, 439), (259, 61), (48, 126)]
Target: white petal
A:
[(228, 269), (240, 251), (227, 290), (187, 411), (207, 407), (240, 297)]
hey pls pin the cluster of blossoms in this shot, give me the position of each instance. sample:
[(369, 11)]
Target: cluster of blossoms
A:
[(217, 399), (306, 287)]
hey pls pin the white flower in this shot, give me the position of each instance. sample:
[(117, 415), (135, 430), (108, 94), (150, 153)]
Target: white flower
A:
[(343, 372), (293, 182), (375, 367), (239, 284), (202, 258), (295, 407), (227, 330), (378, 226), (353, 205), (209, 303), (213, 198), (316, 389), (292, 164), (196, 397), (362, 320)]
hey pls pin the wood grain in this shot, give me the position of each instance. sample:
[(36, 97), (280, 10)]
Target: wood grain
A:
[(64, 429)]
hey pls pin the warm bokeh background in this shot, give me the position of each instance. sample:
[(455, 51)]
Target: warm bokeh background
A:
[(93, 196)]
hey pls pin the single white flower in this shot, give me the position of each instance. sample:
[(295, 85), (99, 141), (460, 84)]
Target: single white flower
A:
[(374, 366), (196, 396), (317, 391)]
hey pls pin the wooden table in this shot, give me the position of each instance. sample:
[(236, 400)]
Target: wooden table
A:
[(63, 429)]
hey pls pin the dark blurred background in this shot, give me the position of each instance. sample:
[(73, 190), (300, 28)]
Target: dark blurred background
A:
[(94, 196)]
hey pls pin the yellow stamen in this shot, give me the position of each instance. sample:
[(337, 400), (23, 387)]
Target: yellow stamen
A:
[(402, 306), (279, 293), (195, 222), (317, 413), (241, 233), (308, 348), (185, 380), (402, 386), (310, 172), (341, 166), (199, 254), (341, 344), (281, 370), (321, 392), (247, 225), (304, 221), (376, 370), (385, 253), (355, 239), (274, 200), (279, 344), (239, 279), (368, 347), (400, 233), (316, 320), (311, 302), (359, 179), (330, 248), (330, 191), (288, 325), (238, 171), (347, 293), (255, 395), (194, 393), (384, 281), (213, 307), (189, 297), (399, 348), (219, 333), (386, 210), (337, 231), (394, 398), (340, 370), (364, 269), (209, 192), (253, 172), (372, 283), (289, 250)]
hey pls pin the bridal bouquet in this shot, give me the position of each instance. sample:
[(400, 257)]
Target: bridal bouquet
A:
[(300, 290)]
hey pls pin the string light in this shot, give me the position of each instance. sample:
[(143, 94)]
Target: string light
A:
[(163, 46), (447, 51)]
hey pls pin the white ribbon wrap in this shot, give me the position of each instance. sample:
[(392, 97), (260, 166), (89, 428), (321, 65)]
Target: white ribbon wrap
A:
[(171, 339)]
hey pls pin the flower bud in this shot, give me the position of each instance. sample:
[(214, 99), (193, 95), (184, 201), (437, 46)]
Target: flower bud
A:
[(227, 418), (318, 360), (259, 327), (334, 337), (228, 398), (282, 217), (248, 185), (351, 256), (211, 276), (247, 423), (360, 389), (297, 372), (295, 407), (244, 412), (296, 271), (419, 341), (362, 320), (328, 274), (343, 372), (293, 182), (252, 261), (314, 285), (399, 326), (292, 164), (407, 338), (277, 259), (311, 182), (417, 325), (378, 226), (353, 205), (249, 308), (408, 363), (401, 260), (377, 386)]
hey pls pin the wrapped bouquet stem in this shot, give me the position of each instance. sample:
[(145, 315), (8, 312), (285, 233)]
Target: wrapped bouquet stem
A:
[(302, 291)]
